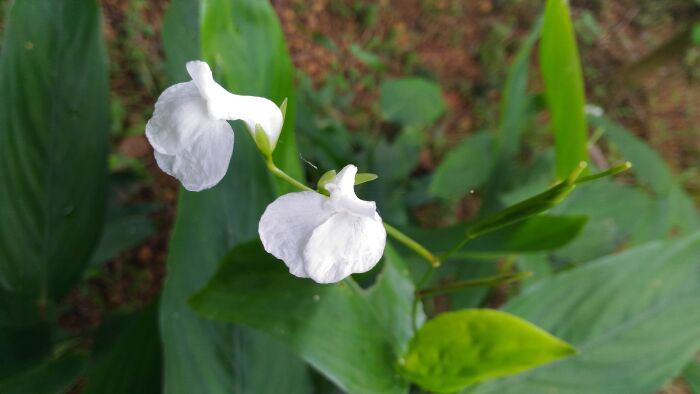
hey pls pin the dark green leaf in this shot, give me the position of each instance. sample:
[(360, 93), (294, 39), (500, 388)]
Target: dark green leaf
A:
[(124, 228), (457, 349), (243, 42), (350, 335), (411, 101), (464, 168), (131, 362), (633, 318), (53, 376), (691, 375), (54, 130), (561, 72)]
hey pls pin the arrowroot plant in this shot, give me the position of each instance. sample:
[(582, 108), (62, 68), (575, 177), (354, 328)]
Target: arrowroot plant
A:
[(276, 284)]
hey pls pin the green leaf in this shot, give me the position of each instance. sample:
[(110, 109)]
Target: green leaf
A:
[(691, 375), (242, 41), (350, 335), (411, 101), (561, 72), (53, 376), (674, 211), (54, 130), (535, 234), (538, 233), (457, 349), (124, 228), (515, 103), (464, 168), (629, 315), (368, 58), (130, 361)]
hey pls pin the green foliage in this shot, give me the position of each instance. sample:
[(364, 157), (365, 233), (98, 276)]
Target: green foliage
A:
[(629, 315), (124, 228), (464, 168), (460, 348), (351, 335), (691, 375), (56, 375), (53, 151), (127, 358), (411, 101), (561, 72), (246, 47)]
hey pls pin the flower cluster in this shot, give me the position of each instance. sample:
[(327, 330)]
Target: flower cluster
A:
[(325, 238)]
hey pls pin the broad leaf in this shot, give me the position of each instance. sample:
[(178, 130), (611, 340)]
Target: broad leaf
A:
[(618, 312), (561, 72), (352, 336), (201, 355), (460, 348), (130, 360), (464, 168), (411, 101), (53, 376), (53, 150)]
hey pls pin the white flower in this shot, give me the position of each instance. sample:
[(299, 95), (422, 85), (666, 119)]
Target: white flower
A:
[(325, 239), (191, 137)]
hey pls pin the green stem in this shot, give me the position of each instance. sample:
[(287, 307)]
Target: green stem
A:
[(410, 243), (481, 282), (283, 175), (391, 230)]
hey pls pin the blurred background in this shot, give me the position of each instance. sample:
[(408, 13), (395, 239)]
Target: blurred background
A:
[(354, 59)]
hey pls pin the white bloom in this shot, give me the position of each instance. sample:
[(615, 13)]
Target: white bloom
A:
[(325, 239), (189, 131)]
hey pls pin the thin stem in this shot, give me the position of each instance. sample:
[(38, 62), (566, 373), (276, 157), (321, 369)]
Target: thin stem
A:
[(283, 175), (410, 243), (481, 282), (391, 230)]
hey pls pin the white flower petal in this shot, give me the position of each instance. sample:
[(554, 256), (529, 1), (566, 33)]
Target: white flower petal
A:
[(222, 104), (204, 162), (345, 244), (288, 223), (343, 197), (179, 117)]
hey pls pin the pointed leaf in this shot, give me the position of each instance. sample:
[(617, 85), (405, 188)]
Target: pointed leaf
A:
[(457, 349)]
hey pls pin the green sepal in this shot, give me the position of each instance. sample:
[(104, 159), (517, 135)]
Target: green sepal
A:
[(323, 180), (262, 141), (365, 177), (283, 108)]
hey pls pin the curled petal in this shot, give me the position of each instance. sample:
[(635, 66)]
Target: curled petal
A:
[(203, 163), (287, 224), (344, 244), (343, 197), (222, 104)]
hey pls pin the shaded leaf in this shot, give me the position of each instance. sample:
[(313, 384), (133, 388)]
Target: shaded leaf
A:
[(465, 167), (618, 312), (53, 376), (54, 130), (350, 335), (411, 101)]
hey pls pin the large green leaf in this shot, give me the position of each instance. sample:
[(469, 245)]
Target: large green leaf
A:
[(201, 355), (55, 375), (561, 72), (411, 101), (674, 212), (633, 317), (352, 336), (53, 150), (460, 348), (127, 359), (464, 168)]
